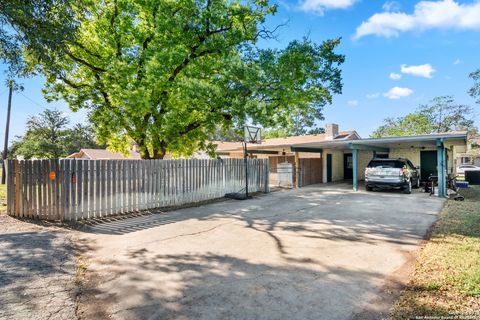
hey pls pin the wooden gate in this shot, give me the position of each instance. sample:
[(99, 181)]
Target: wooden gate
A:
[(310, 171)]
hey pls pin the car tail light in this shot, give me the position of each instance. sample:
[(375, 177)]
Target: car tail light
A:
[(366, 172)]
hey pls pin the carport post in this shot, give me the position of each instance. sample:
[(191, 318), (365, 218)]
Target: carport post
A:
[(441, 172), (355, 169)]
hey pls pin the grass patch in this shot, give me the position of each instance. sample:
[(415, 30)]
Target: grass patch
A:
[(447, 272), (3, 196), (80, 270)]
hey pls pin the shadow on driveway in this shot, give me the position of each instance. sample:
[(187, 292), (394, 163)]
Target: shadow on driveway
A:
[(314, 253)]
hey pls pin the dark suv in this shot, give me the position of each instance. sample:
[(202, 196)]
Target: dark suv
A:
[(392, 174)]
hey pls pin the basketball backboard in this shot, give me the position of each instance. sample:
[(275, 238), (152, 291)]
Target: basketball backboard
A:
[(252, 134)]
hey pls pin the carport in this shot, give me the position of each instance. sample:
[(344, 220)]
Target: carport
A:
[(444, 145)]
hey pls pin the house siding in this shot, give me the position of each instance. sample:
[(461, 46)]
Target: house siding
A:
[(337, 164), (364, 158)]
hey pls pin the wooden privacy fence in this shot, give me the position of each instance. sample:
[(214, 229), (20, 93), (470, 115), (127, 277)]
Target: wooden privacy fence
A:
[(71, 189)]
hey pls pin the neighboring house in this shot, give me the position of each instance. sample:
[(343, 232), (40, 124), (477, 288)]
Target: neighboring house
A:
[(343, 155), (472, 156), (102, 154)]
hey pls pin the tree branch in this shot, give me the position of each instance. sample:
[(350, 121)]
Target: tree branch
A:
[(81, 46), (193, 55), (145, 44), (115, 35), (71, 83), (83, 62)]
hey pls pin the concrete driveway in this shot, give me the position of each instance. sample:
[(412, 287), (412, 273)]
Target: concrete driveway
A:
[(321, 252)]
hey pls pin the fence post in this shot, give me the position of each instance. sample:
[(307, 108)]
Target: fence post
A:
[(267, 176)]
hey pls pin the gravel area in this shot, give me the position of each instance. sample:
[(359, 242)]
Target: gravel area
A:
[(37, 271)]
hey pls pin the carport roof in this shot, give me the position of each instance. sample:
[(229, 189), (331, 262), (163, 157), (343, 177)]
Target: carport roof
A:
[(457, 138)]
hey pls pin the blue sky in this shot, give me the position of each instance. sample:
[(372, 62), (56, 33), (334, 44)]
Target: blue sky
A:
[(399, 54)]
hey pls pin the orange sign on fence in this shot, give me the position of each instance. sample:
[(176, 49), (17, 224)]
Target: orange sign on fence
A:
[(52, 175)]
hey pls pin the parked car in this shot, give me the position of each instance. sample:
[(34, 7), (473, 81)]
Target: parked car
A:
[(466, 167), (392, 174)]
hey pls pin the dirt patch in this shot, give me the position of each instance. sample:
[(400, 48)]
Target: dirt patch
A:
[(91, 302), (392, 289)]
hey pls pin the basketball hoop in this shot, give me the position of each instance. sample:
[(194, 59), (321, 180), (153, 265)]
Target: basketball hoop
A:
[(252, 134)]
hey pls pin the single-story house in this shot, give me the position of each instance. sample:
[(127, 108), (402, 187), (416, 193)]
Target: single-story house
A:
[(102, 154), (344, 155)]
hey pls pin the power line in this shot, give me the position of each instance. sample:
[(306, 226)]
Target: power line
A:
[(38, 104), (1, 94)]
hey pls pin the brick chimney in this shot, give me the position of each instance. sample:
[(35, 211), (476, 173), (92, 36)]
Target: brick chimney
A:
[(331, 131), (135, 148)]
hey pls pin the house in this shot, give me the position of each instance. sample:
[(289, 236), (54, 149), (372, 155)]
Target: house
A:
[(278, 150), (472, 156), (344, 155), (103, 154)]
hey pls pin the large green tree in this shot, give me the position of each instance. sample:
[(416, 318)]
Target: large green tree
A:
[(442, 114), (48, 136), (167, 73)]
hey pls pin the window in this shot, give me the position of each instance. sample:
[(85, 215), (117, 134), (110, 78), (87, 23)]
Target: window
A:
[(381, 155), (465, 160), (386, 164)]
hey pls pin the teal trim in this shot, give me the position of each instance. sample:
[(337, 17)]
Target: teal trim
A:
[(355, 169), (354, 146), (304, 149), (441, 169)]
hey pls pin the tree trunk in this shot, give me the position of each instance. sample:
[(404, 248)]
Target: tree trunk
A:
[(160, 153)]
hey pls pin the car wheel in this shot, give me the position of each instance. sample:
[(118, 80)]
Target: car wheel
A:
[(408, 188), (368, 188), (417, 183)]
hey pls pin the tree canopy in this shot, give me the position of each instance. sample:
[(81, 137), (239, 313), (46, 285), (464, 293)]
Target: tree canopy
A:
[(48, 136), (35, 26), (167, 74), (443, 114), (475, 89)]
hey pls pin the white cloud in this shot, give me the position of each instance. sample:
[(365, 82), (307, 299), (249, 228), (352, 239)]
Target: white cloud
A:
[(458, 61), (353, 103), (397, 93), (391, 6), (423, 70), (445, 14), (395, 76), (373, 95), (319, 6)]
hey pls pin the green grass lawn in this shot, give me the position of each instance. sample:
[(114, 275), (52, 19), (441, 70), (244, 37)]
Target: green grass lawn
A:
[(447, 273)]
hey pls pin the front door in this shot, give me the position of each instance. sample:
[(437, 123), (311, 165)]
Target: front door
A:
[(347, 166), (428, 164), (329, 167)]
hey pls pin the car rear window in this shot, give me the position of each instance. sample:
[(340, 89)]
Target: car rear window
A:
[(386, 164)]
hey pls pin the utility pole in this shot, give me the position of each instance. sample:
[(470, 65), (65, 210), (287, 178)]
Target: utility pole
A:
[(7, 128)]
